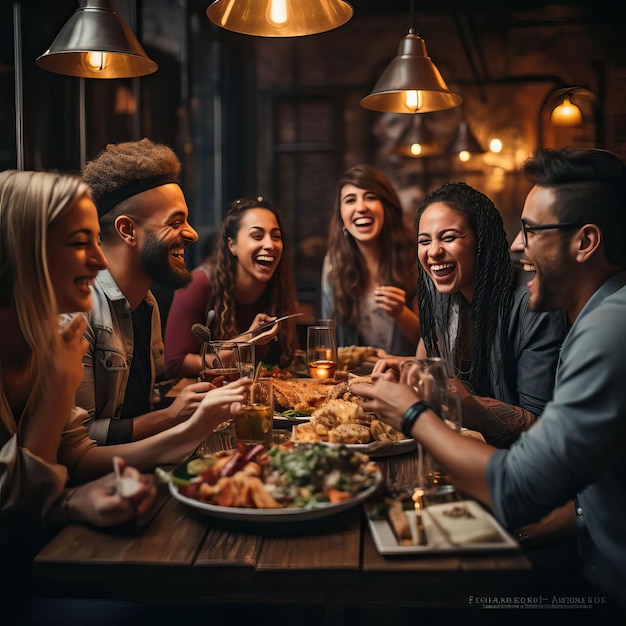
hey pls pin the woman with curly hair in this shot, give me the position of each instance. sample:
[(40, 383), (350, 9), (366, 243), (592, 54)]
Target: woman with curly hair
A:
[(369, 278), (248, 281), (500, 355)]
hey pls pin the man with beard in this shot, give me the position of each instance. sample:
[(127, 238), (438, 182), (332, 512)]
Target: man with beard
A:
[(143, 218), (573, 229)]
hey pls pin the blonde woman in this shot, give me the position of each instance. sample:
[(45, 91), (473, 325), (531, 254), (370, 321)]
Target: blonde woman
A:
[(49, 254)]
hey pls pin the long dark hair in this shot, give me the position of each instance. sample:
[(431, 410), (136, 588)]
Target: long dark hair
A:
[(348, 275), (279, 297), (493, 289)]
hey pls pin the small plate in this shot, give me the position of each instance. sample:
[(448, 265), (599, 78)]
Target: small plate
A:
[(445, 534)]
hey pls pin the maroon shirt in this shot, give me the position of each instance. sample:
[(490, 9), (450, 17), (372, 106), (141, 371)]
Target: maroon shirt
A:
[(189, 306)]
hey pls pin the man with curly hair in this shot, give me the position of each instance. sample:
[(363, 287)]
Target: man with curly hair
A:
[(143, 218)]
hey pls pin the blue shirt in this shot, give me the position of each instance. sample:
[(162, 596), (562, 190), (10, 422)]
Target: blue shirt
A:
[(577, 450)]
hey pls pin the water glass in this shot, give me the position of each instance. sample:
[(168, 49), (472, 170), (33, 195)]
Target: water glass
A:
[(430, 379)]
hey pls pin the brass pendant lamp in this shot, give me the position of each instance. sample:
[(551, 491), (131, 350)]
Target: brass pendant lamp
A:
[(465, 143), (411, 83), (417, 141), (96, 43), (279, 18), (566, 113)]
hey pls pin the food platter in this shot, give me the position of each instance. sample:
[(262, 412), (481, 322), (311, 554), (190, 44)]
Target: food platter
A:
[(374, 449), (273, 516), (445, 533)]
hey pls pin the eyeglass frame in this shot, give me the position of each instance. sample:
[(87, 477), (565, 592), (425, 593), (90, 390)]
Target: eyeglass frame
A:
[(557, 225)]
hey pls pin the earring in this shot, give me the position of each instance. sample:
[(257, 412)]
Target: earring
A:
[(346, 234)]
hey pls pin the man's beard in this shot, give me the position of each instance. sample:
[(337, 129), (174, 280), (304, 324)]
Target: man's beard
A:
[(155, 260)]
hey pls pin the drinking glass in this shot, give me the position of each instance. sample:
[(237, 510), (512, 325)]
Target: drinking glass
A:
[(253, 424), (429, 377), (221, 362), (247, 358), (322, 351)]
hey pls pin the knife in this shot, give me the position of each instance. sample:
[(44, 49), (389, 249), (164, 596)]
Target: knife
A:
[(261, 329)]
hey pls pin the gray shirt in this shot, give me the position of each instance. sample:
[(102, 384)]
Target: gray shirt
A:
[(577, 450), (397, 344), (109, 357)]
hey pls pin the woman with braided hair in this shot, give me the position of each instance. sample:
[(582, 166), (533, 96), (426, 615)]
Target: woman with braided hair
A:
[(500, 356), (248, 281)]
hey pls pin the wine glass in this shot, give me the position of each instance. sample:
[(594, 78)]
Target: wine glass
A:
[(322, 351)]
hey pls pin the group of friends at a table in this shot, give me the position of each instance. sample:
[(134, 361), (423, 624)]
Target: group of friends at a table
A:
[(539, 367)]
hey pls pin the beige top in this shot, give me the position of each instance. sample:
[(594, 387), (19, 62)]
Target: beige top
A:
[(29, 484)]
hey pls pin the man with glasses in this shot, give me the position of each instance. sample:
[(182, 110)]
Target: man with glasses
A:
[(572, 242)]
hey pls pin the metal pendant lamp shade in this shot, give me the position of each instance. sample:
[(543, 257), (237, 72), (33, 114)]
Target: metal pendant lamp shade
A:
[(411, 83), (417, 141), (465, 141), (279, 18), (96, 43)]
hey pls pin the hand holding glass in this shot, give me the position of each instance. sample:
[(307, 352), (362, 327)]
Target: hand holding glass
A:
[(430, 379)]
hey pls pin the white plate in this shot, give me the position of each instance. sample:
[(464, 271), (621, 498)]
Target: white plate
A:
[(479, 534), (374, 449), (274, 516)]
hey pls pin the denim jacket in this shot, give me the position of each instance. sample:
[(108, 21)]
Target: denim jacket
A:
[(108, 359)]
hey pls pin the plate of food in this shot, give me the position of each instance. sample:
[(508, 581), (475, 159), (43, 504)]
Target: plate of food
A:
[(304, 395), (342, 421), (284, 483), (459, 526), (358, 359)]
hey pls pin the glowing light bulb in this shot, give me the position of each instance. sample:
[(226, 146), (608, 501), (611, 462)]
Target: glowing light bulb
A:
[(464, 156), (278, 12), (566, 114), (416, 149), (96, 61), (413, 100), (495, 145)]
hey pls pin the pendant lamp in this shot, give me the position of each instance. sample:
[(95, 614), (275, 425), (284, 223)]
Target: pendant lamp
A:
[(465, 143), (566, 113), (279, 18), (96, 43), (417, 141), (411, 83)]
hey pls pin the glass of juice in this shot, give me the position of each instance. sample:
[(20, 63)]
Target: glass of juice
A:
[(322, 351), (221, 362), (253, 424)]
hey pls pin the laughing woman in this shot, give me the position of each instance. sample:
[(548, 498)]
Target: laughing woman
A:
[(49, 255), (247, 281), (369, 276), (501, 356)]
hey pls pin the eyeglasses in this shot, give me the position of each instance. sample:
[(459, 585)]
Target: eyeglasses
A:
[(560, 226)]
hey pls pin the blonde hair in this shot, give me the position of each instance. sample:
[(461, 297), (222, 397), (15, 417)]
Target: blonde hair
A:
[(29, 203)]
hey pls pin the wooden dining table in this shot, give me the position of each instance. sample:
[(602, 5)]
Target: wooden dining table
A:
[(183, 555)]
